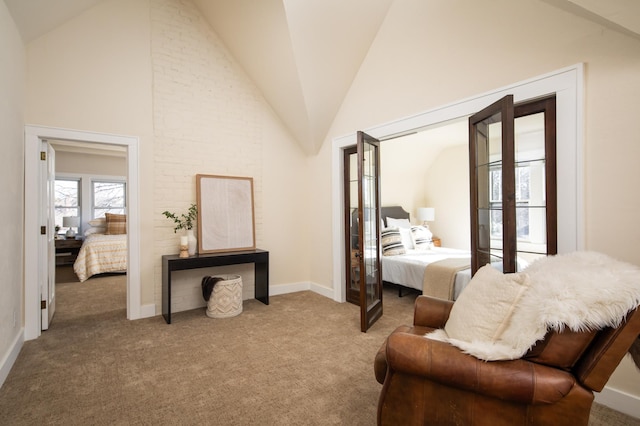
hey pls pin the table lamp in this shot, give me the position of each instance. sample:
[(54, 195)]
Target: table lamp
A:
[(71, 222), (426, 214)]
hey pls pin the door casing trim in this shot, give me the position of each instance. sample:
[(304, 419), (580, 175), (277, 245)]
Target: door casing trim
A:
[(33, 136)]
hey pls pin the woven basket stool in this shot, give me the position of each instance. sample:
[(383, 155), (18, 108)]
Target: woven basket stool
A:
[(226, 297)]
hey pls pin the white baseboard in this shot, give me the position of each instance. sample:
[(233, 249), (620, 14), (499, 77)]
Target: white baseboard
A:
[(619, 401), (147, 311), (322, 290), (10, 357), (276, 290)]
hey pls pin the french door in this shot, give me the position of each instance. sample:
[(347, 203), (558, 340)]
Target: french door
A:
[(47, 274), (351, 222), (512, 152), (369, 251)]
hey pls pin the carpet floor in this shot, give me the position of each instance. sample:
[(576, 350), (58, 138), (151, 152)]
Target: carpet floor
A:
[(299, 361)]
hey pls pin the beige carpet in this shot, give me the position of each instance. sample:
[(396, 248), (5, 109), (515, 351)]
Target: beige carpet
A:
[(299, 361)]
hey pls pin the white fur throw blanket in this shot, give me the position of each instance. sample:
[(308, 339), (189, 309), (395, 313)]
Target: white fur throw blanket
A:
[(580, 290)]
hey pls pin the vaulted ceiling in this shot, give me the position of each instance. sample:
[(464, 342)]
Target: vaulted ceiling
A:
[(302, 55)]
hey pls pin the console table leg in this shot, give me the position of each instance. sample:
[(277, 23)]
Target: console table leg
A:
[(262, 281)]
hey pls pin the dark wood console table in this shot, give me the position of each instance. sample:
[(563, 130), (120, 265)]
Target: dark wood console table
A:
[(171, 263)]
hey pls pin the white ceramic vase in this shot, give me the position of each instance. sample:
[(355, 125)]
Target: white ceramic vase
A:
[(192, 242)]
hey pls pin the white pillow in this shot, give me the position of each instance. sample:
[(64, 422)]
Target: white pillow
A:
[(407, 238), (422, 237), (398, 223), (100, 222), (481, 314), (95, 230)]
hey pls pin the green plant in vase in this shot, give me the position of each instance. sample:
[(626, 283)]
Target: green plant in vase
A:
[(185, 221)]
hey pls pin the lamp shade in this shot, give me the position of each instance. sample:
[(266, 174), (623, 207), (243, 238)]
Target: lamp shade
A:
[(70, 221), (426, 214)]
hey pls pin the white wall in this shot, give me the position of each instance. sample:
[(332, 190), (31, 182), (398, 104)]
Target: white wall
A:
[(421, 172), (209, 118), (154, 69), (429, 54), (12, 87), (78, 163), (93, 73), (403, 167), (447, 189)]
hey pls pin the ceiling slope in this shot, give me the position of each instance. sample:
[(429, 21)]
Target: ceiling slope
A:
[(37, 17), (302, 55)]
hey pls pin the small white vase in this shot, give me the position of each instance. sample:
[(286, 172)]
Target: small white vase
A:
[(192, 242)]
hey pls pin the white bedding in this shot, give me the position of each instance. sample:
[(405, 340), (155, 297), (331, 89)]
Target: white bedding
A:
[(408, 269), (101, 253)]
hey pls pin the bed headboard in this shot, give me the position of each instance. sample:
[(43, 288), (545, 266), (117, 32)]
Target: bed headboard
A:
[(396, 212)]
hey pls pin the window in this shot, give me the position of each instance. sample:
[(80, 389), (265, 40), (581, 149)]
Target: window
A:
[(67, 199), (523, 179), (108, 197)]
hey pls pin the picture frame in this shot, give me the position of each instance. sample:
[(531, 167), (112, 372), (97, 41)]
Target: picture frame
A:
[(225, 213)]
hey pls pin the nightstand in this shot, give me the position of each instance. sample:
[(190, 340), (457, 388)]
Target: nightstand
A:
[(436, 241), (67, 251)]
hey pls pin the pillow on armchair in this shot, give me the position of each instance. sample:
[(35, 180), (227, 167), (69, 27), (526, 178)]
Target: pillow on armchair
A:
[(481, 314), (501, 316)]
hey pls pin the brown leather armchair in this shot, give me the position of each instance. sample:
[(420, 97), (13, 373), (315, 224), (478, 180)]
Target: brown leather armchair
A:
[(431, 382)]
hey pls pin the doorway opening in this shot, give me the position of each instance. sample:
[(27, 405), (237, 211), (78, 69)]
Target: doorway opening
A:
[(565, 83), (90, 181), (427, 167), (35, 278)]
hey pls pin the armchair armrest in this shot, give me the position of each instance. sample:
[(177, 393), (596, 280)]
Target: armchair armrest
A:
[(431, 312), (519, 381)]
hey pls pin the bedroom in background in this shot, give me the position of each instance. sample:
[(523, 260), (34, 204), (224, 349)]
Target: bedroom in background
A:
[(409, 259), (565, 83), (90, 180), (426, 167), (403, 168)]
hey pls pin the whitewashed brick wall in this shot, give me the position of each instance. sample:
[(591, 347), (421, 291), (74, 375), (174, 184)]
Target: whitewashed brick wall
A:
[(207, 120)]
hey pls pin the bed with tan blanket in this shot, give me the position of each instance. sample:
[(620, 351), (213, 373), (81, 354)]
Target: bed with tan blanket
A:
[(101, 253), (438, 272), (434, 271)]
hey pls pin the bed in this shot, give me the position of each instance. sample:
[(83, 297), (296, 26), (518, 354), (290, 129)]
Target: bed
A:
[(435, 271), (438, 272), (104, 250)]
